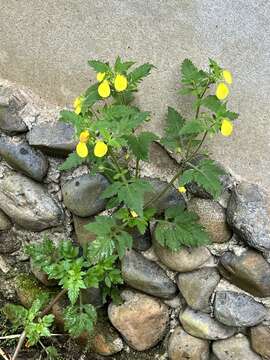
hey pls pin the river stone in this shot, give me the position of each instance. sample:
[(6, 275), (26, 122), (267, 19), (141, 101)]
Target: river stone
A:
[(142, 320), (186, 347), (23, 158), (10, 120), (235, 309), (260, 340), (249, 215), (212, 217), (203, 326), (147, 276), (56, 139), (9, 243), (82, 194), (249, 271), (235, 348), (5, 223), (197, 287), (182, 260), (84, 237), (171, 198), (28, 204)]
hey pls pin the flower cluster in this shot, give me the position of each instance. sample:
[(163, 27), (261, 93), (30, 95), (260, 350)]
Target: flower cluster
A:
[(222, 93), (100, 148), (118, 81)]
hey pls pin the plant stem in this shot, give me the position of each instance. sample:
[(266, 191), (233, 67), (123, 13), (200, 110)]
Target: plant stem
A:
[(43, 313), (137, 168)]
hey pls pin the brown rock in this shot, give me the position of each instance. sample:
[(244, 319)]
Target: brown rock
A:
[(42, 276), (249, 271), (212, 217), (182, 260), (183, 346), (260, 340), (141, 319)]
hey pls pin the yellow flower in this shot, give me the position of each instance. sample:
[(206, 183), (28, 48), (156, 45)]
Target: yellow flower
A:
[(133, 213), (78, 105), (182, 189), (82, 149), (226, 127), (222, 91), (100, 76), (84, 136), (100, 149), (104, 89), (120, 82), (227, 76)]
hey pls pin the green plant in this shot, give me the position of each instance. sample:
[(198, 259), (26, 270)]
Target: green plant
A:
[(105, 123)]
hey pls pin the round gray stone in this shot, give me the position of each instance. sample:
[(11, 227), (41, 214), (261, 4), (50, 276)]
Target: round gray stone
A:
[(248, 213), (197, 287), (23, 158), (203, 326), (147, 276), (28, 204), (235, 309), (82, 194)]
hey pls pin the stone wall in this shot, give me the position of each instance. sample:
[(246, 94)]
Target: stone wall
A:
[(204, 303)]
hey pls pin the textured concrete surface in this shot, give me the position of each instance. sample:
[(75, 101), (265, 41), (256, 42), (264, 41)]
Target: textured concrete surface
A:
[(46, 44)]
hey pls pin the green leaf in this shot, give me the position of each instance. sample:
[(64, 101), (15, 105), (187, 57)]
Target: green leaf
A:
[(52, 353), (69, 117), (122, 67), (123, 241), (189, 71), (172, 138), (206, 174), (78, 319), (91, 97), (140, 145), (136, 76), (212, 103), (99, 66), (72, 161), (180, 228), (17, 314), (35, 330), (192, 127)]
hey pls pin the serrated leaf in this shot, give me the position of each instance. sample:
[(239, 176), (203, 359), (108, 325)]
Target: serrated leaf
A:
[(140, 145), (188, 71), (71, 162), (192, 127), (180, 228), (78, 319), (136, 76), (172, 138), (123, 242), (122, 67), (99, 66), (212, 103)]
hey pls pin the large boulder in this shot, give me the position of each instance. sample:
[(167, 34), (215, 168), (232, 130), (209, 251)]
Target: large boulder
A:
[(28, 204), (248, 213), (142, 320), (23, 158), (249, 271), (147, 276), (82, 194), (235, 309)]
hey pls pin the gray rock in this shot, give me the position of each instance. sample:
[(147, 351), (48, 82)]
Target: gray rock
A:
[(84, 237), (56, 139), (183, 346), (171, 198), (182, 260), (203, 326), (141, 319), (249, 271), (28, 204), (249, 215), (23, 158), (140, 242), (8, 242), (147, 276), (92, 296), (5, 223), (260, 340), (10, 106), (235, 309), (82, 194), (235, 348), (212, 217), (197, 287)]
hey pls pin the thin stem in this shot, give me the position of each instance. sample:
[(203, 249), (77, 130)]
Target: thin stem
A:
[(118, 168), (43, 313), (137, 168)]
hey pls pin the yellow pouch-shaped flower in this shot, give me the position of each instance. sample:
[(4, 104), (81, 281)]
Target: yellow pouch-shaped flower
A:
[(222, 91), (120, 83), (100, 149), (226, 127), (100, 76), (227, 76), (182, 189), (104, 89), (84, 136), (82, 150)]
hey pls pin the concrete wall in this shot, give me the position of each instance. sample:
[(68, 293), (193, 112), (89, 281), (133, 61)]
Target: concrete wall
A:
[(46, 44)]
